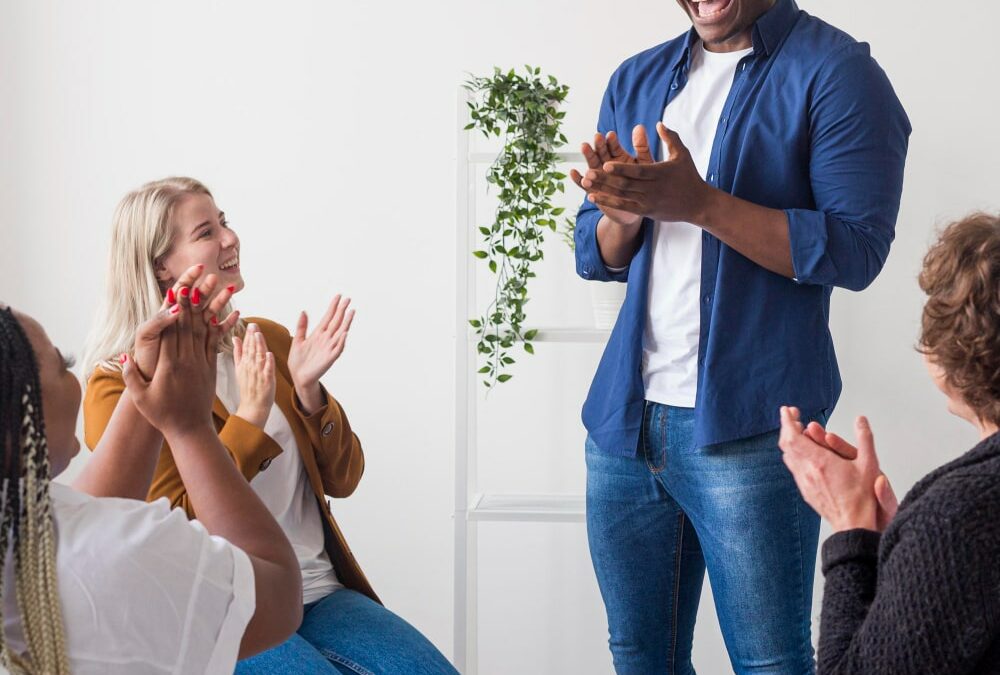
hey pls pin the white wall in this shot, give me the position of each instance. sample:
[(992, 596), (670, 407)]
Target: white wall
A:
[(327, 132)]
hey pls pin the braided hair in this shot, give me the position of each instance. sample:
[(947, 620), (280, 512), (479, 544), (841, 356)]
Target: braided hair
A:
[(26, 527)]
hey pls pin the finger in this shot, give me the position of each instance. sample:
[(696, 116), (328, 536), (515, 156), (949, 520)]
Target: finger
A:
[(229, 323), (188, 278), (338, 317), (840, 446), (612, 202), (261, 343), (269, 367), (201, 293), (616, 150), (641, 144), (597, 180), (334, 304), (671, 140), (866, 440), (577, 178), (249, 343), (886, 496), (301, 326), (791, 428), (815, 432), (633, 171), (593, 161), (601, 147), (134, 382), (348, 320), (337, 348), (212, 340), (152, 329), (219, 301), (237, 350), (185, 336)]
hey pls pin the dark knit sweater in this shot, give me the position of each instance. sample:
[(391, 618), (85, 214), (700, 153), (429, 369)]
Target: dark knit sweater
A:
[(924, 597)]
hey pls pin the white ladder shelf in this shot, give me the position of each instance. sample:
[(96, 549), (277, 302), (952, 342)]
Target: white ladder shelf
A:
[(471, 506)]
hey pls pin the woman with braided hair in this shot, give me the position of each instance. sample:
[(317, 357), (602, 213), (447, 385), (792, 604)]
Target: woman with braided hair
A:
[(111, 585)]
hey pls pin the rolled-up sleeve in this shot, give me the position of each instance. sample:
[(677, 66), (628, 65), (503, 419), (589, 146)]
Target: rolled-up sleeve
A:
[(589, 263), (859, 140)]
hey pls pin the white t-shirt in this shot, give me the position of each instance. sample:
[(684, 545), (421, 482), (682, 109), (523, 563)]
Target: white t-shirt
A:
[(143, 589), (673, 322), (284, 488)]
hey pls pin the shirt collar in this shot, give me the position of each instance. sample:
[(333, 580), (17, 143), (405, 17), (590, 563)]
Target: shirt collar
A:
[(767, 33)]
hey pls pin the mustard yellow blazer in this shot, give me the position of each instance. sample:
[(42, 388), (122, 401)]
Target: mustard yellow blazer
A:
[(330, 451)]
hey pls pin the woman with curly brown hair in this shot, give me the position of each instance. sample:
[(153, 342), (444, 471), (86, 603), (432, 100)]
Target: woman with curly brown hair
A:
[(917, 589)]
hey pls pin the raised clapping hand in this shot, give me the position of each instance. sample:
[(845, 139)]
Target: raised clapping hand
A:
[(255, 375), (607, 149), (626, 189), (201, 302), (177, 396), (311, 356), (841, 482)]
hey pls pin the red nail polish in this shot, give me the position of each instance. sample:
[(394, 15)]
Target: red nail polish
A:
[(185, 291), (196, 296), (123, 358), (231, 288), (171, 296), (175, 309), (215, 321)]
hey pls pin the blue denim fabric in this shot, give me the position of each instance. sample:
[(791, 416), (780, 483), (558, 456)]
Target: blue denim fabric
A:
[(346, 633), (657, 520)]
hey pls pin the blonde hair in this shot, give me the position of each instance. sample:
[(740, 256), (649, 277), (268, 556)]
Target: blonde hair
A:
[(140, 237), (26, 510)]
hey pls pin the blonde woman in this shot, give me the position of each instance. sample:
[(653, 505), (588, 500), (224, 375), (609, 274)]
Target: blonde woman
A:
[(116, 586), (290, 439)]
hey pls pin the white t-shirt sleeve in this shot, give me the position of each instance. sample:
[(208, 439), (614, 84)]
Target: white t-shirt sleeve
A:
[(145, 590)]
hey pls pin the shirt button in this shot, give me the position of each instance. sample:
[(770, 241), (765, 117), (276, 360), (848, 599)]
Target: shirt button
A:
[(707, 298), (673, 86), (586, 271), (711, 177), (328, 428), (266, 463)]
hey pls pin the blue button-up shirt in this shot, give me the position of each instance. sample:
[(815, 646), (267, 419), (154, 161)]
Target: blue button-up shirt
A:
[(811, 126)]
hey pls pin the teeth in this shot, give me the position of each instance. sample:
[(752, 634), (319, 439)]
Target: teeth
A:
[(229, 265)]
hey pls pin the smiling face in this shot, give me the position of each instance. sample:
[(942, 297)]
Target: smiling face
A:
[(724, 25), (60, 395), (200, 235)]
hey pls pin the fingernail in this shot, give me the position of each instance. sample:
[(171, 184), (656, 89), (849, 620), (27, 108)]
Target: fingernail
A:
[(185, 291), (215, 321), (175, 309), (231, 288), (201, 266), (171, 296), (123, 358), (196, 296)]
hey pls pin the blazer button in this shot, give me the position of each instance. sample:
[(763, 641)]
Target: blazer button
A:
[(328, 429), (266, 463)]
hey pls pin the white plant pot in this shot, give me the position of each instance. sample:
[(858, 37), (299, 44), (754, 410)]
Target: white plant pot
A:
[(607, 298)]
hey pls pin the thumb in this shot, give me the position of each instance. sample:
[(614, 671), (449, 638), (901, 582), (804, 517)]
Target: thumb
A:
[(641, 144), (300, 327), (671, 139), (886, 496), (152, 329), (237, 350), (134, 382)]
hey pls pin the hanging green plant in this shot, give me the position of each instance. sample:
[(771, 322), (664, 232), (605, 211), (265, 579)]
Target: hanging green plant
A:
[(522, 110)]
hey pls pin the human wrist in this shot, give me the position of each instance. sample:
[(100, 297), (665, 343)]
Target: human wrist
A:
[(860, 517), (255, 415), (181, 436), (310, 397)]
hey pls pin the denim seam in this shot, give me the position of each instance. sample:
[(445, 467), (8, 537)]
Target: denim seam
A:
[(662, 459), (679, 554), (802, 572), (343, 661)]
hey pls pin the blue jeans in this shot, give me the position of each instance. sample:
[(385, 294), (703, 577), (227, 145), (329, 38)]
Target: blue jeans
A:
[(656, 521), (346, 633)]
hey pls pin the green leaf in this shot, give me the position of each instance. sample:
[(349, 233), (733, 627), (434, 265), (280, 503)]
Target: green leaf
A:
[(480, 254), (530, 335), (528, 347), (475, 323), (504, 377)]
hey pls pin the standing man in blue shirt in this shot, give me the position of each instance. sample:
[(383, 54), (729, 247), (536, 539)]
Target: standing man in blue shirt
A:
[(775, 176)]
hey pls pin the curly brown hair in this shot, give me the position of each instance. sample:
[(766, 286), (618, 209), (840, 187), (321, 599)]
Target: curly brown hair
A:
[(960, 329)]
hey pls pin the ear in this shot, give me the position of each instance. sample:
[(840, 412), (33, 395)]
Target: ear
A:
[(163, 277)]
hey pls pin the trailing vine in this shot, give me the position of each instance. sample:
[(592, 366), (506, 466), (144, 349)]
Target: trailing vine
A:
[(522, 110)]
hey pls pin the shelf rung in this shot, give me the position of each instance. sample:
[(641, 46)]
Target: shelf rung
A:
[(528, 508)]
